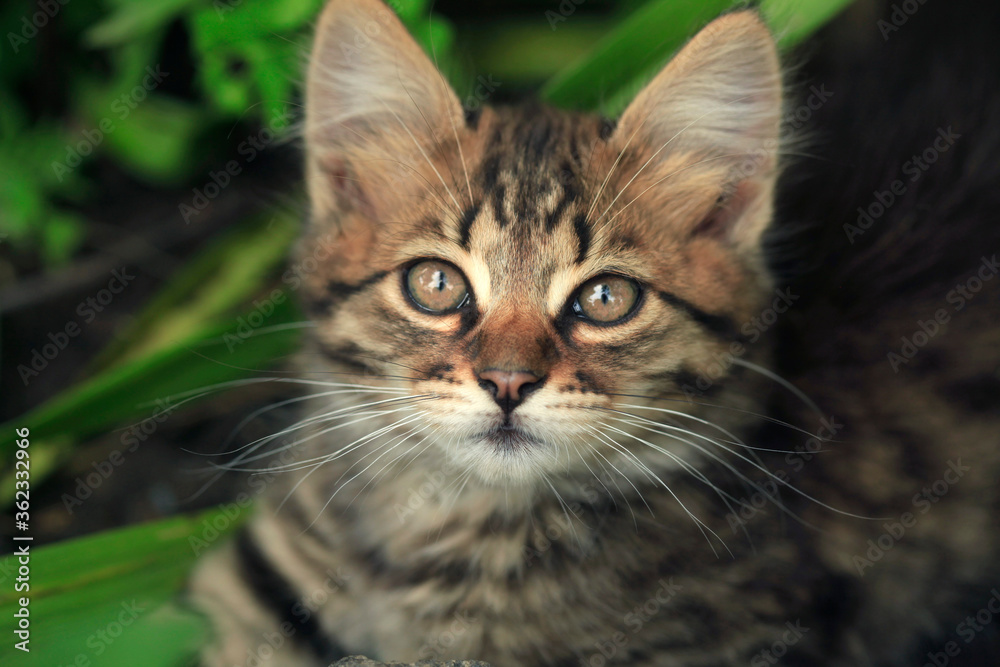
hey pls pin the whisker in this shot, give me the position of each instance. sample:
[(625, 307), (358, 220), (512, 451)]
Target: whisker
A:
[(614, 166), (447, 89), (670, 175), (694, 472), (702, 526), (771, 475), (718, 406), (566, 512), (599, 480), (404, 437), (349, 411), (341, 452), (783, 382), (280, 404), (606, 439), (464, 479), (356, 475), (297, 465), (430, 129), (736, 441), (746, 481)]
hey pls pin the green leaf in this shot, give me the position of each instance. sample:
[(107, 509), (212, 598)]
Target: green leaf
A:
[(182, 372), (132, 20), (411, 11), (526, 54), (794, 20), (158, 141), (62, 235), (29, 219), (96, 596), (189, 337), (627, 57), (222, 277), (641, 43)]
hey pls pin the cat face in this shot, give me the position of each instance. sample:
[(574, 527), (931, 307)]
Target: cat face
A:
[(526, 272)]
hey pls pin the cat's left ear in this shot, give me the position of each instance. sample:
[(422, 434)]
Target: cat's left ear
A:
[(714, 111)]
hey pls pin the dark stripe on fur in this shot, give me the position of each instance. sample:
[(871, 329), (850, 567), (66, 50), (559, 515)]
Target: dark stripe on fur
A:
[(465, 225), (445, 573), (568, 178), (538, 133), (345, 356), (277, 594), (720, 325), (472, 117), (338, 291), (582, 230), (608, 126), (491, 171), (498, 208)]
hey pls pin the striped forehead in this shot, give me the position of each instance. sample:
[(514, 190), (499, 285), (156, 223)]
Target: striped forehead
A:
[(527, 222)]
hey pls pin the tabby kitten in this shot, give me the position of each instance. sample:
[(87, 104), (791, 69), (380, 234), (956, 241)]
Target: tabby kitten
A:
[(547, 432)]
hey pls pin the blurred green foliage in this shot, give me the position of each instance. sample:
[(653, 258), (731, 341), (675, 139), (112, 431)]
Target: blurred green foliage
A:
[(108, 58), (111, 89)]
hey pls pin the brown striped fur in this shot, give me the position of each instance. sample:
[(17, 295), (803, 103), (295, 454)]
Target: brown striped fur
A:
[(591, 539)]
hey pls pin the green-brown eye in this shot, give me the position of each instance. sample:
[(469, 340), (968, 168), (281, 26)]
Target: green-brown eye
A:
[(436, 286), (607, 299)]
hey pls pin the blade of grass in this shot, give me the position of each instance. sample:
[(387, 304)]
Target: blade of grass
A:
[(641, 41), (126, 392), (164, 352), (619, 65), (86, 593), (223, 276)]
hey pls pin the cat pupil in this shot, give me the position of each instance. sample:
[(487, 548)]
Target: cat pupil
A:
[(601, 293), (438, 281)]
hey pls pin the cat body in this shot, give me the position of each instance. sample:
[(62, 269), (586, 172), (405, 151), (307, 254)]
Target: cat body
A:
[(591, 404)]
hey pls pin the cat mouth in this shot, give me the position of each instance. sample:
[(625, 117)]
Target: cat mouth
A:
[(507, 437)]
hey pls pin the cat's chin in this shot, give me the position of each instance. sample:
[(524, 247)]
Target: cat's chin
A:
[(508, 439), (505, 456)]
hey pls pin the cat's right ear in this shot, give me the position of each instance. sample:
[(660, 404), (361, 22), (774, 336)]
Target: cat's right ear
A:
[(376, 107)]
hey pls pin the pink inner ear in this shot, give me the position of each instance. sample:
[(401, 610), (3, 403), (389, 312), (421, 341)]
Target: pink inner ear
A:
[(722, 219)]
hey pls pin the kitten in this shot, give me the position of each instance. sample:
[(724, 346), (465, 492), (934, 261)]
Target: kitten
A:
[(550, 434)]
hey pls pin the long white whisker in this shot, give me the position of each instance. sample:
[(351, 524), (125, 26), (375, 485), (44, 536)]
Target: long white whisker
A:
[(273, 406), (693, 471), (670, 175), (702, 526), (783, 382), (350, 411), (773, 476), (402, 438), (355, 476), (341, 452), (615, 446)]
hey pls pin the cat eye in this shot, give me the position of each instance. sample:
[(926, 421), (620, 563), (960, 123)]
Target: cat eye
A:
[(607, 299), (436, 286)]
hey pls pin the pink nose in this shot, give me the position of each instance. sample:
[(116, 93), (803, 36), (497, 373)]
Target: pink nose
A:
[(509, 386)]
